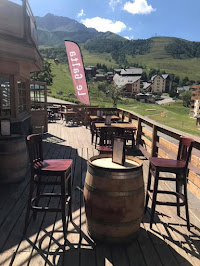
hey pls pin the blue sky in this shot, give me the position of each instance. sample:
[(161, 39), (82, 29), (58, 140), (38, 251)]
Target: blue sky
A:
[(134, 19)]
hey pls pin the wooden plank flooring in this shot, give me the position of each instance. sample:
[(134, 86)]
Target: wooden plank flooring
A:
[(168, 243)]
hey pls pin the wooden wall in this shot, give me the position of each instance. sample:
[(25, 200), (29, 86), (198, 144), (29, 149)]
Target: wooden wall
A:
[(11, 19)]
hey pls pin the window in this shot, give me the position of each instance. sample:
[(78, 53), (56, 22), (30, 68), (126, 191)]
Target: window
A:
[(5, 108), (37, 96), (22, 96)]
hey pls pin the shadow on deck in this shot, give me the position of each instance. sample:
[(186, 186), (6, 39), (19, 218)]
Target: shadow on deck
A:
[(168, 243)]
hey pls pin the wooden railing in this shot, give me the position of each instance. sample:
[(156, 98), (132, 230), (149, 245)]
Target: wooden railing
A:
[(157, 140), (153, 139)]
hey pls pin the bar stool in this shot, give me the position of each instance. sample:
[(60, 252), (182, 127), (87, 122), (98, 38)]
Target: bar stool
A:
[(40, 169), (178, 167)]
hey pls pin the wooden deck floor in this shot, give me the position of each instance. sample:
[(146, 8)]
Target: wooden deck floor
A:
[(168, 243)]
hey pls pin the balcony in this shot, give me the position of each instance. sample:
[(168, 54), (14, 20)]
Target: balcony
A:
[(18, 34), (168, 243)]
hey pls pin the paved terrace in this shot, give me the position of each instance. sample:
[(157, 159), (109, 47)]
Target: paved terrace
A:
[(168, 243)]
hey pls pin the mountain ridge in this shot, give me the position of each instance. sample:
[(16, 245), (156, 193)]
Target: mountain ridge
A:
[(170, 54), (53, 30)]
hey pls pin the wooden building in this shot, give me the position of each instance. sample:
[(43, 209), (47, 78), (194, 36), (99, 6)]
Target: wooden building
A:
[(20, 112), (19, 56)]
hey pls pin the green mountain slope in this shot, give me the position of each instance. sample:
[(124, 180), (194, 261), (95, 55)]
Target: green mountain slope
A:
[(159, 58)]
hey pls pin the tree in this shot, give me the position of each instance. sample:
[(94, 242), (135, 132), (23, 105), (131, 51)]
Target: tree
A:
[(144, 76), (102, 86), (153, 72), (185, 81), (172, 91), (115, 92), (45, 75), (186, 97)]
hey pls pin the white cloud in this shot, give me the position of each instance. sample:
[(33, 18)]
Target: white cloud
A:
[(129, 28), (81, 13), (138, 7), (103, 25), (129, 38), (114, 3)]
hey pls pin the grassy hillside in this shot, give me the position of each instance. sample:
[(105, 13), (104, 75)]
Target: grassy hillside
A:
[(94, 58), (159, 59), (62, 80)]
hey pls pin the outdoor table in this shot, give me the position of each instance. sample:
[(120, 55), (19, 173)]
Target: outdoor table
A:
[(50, 115), (54, 109), (69, 115), (114, 198), (122, 126)]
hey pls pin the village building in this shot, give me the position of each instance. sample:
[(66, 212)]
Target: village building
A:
[(90, 72), (146, 86), (145, 97), (182, 89), (109, 76), (161, 83), (195, 100), (131, 72), (158, 84), (100, 77), (131, 85), (168, 80), (117, 71), (129, 79)]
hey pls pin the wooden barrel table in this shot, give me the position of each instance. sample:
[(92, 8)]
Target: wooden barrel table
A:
[(13, 158), (114, 198)]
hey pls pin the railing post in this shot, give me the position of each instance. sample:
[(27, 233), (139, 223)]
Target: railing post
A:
[(117, 112), (129, 117), (139, 132), (154, 149), (122, 116)]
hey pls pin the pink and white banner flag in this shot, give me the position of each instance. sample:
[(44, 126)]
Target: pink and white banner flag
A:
[(77, 71)]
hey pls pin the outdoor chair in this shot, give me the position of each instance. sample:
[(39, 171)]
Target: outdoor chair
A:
[(106, 136), (179, 167), (43, 172), (93, 130), (129, 134), (51, 116)]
